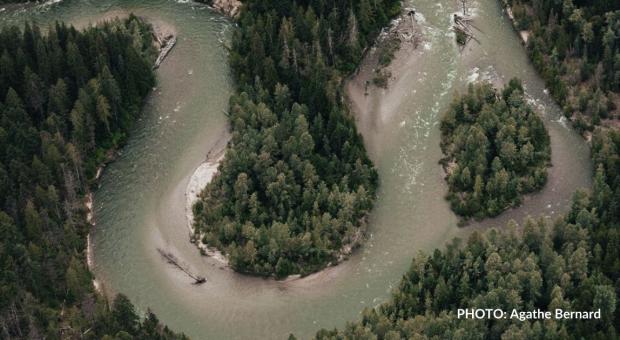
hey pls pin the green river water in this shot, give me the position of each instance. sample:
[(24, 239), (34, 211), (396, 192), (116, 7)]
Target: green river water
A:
[(140, 204)]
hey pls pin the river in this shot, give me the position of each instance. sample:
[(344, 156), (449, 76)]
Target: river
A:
[(140, 204)]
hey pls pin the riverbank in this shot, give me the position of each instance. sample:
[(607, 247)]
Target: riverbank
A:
[(198, 181), (582, 84), (164, 38), (230, 8), (524, 35), (90, 262)]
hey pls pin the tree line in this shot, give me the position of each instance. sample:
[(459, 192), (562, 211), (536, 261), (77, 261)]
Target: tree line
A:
[(296, 181), (496, 149), (575, 45), (67, 98)]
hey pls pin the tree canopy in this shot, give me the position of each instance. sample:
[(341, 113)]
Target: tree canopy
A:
[(496, 149), (575, 45)]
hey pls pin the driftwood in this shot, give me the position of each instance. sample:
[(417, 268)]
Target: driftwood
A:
[(412, 35), (166, 44), (464, 25), (411, 15), (175, 262)]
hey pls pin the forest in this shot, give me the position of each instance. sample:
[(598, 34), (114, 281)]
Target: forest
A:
[(496, 150), (296, 182), (572, 263), (68, 98), (575, 45)]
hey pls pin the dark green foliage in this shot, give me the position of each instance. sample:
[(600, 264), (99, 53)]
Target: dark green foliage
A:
[(296, 181), (602, 209), (572, 264), (66, 98), (382, 78), (496, 148), (461, 37), (387, 50), (575, 45)]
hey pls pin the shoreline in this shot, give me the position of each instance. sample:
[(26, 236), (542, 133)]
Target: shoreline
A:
[(198, 181), (524, 35), (90, 261), (229, 8), (161, 32)]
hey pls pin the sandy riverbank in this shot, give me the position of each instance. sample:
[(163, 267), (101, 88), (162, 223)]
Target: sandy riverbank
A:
[(197, 182), (88, 203)]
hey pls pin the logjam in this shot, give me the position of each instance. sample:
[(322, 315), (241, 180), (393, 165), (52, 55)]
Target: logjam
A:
[(407, 33), (463, 25), (175, 262)]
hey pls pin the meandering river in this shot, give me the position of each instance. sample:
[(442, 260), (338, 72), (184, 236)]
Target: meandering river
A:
[(140, 204)]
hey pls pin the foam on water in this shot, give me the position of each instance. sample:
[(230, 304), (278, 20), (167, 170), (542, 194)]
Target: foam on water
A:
[(474, 74)]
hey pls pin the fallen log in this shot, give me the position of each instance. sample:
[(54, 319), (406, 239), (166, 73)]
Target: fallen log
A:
[(467, 36), (175, 262), (166, 46), (462, 28)]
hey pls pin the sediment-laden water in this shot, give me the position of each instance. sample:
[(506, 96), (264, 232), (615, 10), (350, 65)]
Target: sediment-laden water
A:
[(141, 205)]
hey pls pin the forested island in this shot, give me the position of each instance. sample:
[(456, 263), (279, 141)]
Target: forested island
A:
[(293, 190), (69, 97), (496, 150), (575, 45)]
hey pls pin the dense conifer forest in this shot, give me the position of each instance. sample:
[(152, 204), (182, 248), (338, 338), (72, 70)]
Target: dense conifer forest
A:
[(68, 97), (575, 45), (496, 148), (296, 182)]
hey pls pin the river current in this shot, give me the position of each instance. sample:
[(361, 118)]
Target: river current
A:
[(140, 204)]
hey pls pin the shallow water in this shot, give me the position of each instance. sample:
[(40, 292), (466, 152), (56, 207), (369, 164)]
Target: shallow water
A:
[(140, 204)]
